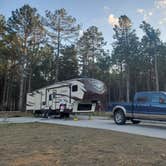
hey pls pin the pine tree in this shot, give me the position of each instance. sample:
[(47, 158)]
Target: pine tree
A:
[(23, 23), (150, 44), (62, 29), (125, 52), (68, 63), (90, 50)]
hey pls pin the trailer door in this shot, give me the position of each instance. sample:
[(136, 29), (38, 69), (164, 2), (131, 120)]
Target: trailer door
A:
[(54, 102)]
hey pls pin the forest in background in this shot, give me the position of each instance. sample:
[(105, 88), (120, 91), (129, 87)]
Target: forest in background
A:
[(36, 51)]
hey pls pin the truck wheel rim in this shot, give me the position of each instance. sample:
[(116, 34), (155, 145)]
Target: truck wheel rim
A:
[(118, 117)]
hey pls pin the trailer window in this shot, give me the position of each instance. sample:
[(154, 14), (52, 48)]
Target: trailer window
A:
[(50, 97), (54, 95), (74, 88)]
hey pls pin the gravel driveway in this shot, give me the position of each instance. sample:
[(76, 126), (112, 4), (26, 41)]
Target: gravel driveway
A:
[(151, 129)]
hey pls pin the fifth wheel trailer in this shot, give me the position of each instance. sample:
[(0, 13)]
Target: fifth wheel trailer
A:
[(71, 96)]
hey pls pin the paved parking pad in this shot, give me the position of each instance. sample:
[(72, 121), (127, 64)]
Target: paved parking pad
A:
[(151, 129)]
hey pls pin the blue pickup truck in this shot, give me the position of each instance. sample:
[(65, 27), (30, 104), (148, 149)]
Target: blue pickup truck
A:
[(146, 105)]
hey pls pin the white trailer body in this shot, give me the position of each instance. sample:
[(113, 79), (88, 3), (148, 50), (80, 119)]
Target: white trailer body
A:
[(77, 94)]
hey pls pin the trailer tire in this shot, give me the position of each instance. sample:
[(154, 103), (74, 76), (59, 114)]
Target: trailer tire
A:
[(45, 114), (67, 115), (37, 113), (119, 117)]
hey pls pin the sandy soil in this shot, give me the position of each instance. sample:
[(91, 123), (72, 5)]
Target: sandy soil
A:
[(15, 114), (36, 144)]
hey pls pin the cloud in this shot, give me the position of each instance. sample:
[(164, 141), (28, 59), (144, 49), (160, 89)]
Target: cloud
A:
[(160, 3), (107, 10), (156, 16), (160, 8), (162, 21), (150, 14), (113, 20), (141, 11), (146, 14)]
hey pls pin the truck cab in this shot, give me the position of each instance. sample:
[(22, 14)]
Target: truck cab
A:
[(150, 105), (146, 105)]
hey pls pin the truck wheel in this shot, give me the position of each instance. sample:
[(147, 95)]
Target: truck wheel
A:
[(119, 117), (135, 121)]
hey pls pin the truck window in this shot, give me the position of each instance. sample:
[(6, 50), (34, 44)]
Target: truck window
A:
[(155, 98), (74, 88), (142, 99), (162, 99), (158, 98)]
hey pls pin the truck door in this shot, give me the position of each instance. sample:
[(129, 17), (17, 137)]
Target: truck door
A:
[(141, 106), (158, 106)]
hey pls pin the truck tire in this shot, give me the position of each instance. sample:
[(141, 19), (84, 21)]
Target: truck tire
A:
[(119, 117), (135, 121)]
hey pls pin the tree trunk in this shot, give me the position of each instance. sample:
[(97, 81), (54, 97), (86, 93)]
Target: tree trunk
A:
[(84, 66), (22, 80), (20, 104), (4, 94), (156, 74), (148, 80), (121, 84), (127, 85), (24, 95), (29, 80), (7, 97), (58, 52)]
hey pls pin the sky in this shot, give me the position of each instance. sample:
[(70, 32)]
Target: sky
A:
[(101, 13)]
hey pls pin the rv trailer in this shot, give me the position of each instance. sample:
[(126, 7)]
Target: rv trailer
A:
[(62, 98)]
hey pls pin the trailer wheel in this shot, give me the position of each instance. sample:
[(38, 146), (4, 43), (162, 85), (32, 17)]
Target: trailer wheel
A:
[(119, 117), (37, 113), (45, 114), (67, 115)]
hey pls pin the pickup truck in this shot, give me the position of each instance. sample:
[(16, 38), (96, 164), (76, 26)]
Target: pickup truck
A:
[(145, 106)]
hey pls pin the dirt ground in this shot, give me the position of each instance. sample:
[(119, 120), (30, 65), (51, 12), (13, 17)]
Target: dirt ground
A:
[(14, 114), (36, 144)]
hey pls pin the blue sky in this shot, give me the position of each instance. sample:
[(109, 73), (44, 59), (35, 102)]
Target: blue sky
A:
[(101, 13)]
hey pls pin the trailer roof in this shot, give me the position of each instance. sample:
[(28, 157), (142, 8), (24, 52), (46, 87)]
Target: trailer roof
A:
[(67, 82)]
